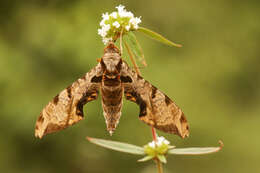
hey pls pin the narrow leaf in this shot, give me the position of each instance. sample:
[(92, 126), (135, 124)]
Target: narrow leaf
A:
[(162, 158), (196, 150), (146, 158), (193, 151), (118, 146), (158, 37), (135, 47)]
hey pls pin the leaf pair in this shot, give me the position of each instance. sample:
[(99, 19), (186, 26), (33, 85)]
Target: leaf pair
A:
[(137, 150)]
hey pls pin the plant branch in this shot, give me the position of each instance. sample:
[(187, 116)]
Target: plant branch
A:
[(131, 55), (154, 134), (159, 165), (121, 38)]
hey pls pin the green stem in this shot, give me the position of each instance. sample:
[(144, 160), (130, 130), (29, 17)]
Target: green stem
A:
[(158, 162), (159, 166), (131, 55), (154, 134)]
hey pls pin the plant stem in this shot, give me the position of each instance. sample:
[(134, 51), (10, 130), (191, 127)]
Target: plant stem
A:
[(121, 38), (131, 55), (158, 163), (159, 166), (154, 134)]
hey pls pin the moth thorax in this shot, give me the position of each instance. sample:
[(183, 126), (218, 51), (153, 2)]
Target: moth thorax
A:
[(111, 62)]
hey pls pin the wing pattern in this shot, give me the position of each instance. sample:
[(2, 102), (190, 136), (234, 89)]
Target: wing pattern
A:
[(156, 108), (66, 108)]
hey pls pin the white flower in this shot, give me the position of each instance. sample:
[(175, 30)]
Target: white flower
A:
[(106, 40), (152, 144), (120, 8), (103, 30), (116, 24), (114, 15), (102, 33), (160, 141), (105, 16), (102, 22), (135, 21), (127, 27)]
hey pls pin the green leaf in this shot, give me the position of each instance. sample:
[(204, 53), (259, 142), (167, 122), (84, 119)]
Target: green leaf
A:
[(158, 37), (194, 151), (118, 146), (161, 158), (146, 158), (135, 47)]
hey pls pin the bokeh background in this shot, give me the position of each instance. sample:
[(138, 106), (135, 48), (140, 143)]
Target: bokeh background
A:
[(215, 78)]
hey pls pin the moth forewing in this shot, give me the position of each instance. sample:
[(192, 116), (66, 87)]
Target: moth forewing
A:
[(113, 77), (66, 108)]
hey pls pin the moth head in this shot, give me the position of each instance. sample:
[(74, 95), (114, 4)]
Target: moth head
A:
[(111, 61), (111, 48)]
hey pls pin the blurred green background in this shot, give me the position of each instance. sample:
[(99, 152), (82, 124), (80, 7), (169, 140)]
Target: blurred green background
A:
[(215, 78)]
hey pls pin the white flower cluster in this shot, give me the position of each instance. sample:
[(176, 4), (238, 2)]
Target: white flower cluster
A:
[(160, 141), (114, 23)]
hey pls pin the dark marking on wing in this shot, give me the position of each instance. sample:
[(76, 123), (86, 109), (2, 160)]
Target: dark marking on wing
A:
[(69, 91), (83, 77), (119, 65), (80, 105), (126, 79), (87, 97), (40, 119), (154, 90), (138, 100), (142, 106), (167, 100), (96, 79), (139, 77), (56, 99)]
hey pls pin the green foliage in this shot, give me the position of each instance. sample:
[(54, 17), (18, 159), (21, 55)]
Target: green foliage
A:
[(118, 146), (156, 152), (194, 151), (136, 48), (157, 37)]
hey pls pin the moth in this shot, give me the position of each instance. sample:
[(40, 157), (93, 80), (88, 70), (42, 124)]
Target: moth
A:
[(113, 79)]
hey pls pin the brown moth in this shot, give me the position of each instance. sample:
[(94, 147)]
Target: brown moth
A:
[(113, 78)]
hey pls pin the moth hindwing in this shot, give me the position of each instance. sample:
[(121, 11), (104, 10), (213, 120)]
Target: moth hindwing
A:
[(113, 78)]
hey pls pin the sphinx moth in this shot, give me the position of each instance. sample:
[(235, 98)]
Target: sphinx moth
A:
[(113, 78)]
